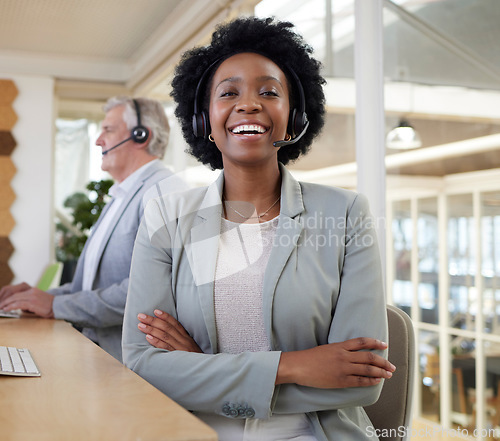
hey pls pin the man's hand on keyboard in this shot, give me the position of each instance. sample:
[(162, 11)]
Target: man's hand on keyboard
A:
[(33, 300), (8, 290)]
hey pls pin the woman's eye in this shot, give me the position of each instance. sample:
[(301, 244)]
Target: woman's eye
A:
[(227, 94), (269, 93)]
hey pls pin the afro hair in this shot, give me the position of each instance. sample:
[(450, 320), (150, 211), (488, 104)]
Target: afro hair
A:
[(272, 39)]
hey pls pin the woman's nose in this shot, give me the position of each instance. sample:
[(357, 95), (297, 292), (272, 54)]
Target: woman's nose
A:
[(248, 103)]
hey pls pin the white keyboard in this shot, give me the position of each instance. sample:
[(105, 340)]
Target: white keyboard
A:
[(16, 361), (15, 313)]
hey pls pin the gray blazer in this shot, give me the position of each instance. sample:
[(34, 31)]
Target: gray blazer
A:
[(100, 311), (323, 284)]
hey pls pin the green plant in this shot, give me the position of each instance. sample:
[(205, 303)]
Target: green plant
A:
[(85, 210)]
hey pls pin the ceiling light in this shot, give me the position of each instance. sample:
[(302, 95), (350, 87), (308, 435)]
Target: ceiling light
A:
[(403, 137)]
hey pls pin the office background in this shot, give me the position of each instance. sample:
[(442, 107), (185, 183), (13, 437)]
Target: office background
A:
[(440, 195)]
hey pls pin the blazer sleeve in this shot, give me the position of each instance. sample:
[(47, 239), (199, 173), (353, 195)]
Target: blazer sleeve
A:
[(360, 312), (103, 305), (239, 385), (61, 290), (97, 308)]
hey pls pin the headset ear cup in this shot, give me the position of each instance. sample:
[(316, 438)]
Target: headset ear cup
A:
[(299, 121), (201, 125), (197, 125), (140, 134), (206, 124)]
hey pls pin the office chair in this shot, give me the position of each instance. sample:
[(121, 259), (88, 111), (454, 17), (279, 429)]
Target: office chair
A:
[(391, 414), (51, 276)]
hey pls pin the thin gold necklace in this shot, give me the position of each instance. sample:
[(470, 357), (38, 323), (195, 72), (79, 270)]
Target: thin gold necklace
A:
[(251, 217)]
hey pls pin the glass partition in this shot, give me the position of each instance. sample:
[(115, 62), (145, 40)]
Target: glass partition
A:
[(429, 374), (491, 374), (461, 262), (463, 382), (402, 234), (447, 264), (490, 269), (428, 260)]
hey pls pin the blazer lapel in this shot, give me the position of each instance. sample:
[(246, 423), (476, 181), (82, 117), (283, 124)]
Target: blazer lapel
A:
[(287, 236), (202, 253), (126, 201), (77, 281)]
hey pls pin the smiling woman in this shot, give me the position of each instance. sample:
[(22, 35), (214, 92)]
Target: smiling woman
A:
[(246, 305), (249, 109), (280, 45)]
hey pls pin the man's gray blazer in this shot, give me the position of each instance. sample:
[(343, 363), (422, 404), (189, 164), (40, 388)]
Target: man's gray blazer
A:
[(100, 311)]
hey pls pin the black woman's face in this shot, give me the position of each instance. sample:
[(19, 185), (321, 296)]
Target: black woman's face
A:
[(249, 107)]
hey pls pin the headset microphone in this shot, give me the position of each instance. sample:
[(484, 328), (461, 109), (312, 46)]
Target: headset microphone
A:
[(117, 145), (293, 140)]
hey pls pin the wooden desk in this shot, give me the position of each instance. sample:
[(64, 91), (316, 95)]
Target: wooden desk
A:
[(83, 393)]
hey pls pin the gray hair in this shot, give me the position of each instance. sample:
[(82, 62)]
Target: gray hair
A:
[(152, 116)]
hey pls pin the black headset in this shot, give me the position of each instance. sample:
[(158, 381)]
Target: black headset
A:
[(297, 123), (139, 133)]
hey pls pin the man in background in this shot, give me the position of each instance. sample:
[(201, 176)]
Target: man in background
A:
[(134, 138)]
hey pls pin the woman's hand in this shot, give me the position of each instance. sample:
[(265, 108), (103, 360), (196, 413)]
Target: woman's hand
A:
[(336, 365), (165, 332)]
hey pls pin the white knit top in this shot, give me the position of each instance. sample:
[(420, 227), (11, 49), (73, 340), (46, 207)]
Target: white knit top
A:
[(244, 250)]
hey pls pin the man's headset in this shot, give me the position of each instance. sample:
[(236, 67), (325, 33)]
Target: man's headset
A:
[(139, 133), (297, 123)]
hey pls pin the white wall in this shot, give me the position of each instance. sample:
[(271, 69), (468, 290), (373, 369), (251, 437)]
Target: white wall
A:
[(32, 236)]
